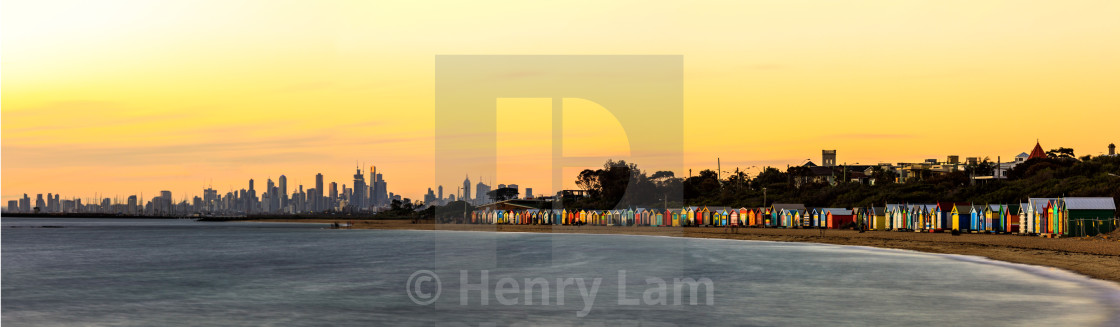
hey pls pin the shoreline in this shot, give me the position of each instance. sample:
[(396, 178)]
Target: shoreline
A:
[(1095, 257)]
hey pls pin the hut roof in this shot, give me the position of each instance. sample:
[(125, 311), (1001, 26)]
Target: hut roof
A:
[(1101, 203)]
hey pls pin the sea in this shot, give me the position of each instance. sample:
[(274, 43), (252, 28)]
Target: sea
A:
[(148, 272)]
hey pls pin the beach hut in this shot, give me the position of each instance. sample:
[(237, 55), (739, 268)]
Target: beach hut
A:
[(1031, 222), (1001, 218), (819, 217), (995, 215), (962, 218), (861, 217), (878, 217), (718, 216), (733, 218), (838, 217), (894, 215), (941, 216), (786, 211), (1089, 216), (919, 216), (1055, 217), (532, 217), (990, 215), (977, 220), (704, 216), (1011, 224)]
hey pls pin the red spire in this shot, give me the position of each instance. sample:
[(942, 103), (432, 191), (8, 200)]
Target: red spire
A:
[(1037, 152)]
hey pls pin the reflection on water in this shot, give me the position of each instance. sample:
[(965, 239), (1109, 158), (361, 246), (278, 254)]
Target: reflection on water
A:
[(181, 272)]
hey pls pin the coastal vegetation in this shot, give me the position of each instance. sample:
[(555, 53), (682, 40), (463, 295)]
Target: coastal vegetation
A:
[(620, 183)]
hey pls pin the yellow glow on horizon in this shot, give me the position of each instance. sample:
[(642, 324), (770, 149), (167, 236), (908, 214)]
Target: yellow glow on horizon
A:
[(123, 97)]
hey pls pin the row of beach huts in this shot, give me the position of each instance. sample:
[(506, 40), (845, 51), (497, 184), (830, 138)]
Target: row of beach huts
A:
[(1051, 217)]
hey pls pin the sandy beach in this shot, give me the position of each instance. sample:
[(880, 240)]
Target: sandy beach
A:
[(1097, 257)]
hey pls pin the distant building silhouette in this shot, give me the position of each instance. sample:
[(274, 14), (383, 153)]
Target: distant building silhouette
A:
[(828, 158), (466, 189), (357, 199)]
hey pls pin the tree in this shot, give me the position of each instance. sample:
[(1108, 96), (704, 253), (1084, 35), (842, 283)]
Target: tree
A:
[(883, 176), (502, 194), (1061, 153), (662, 174)]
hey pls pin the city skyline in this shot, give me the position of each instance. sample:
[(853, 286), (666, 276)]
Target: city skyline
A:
[(376, 183), (115, 96)]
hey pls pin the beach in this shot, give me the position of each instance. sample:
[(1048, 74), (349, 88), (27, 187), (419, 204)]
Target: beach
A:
[(1097, 257)]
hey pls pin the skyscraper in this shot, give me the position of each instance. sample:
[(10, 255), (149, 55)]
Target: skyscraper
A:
[(250, 198), (320, 204), (480, 193), (440, 199), (380, 193), (359, 195), (466, 189), (273, 201), (25, 203), (164, 203), (333, 200), (283, 192), (132, 204)]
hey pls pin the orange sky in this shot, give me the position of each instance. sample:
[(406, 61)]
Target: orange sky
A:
[(124, 97)]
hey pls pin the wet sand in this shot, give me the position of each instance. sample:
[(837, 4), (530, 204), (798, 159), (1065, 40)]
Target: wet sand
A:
[(1097, 257)]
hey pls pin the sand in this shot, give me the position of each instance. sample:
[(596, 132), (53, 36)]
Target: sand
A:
[(1097, 257)]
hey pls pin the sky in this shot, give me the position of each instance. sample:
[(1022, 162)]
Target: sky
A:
[(118, 97)]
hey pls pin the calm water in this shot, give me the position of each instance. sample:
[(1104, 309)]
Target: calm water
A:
[(179, 272)]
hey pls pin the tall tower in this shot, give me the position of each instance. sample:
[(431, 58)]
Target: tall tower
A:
[(250, 198), (828, 158), (440, 194), (466, 189), (357, 198), (273, 200), (378, 194), (333, 194), (320, 204), (283, 192), (1112, 149)]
